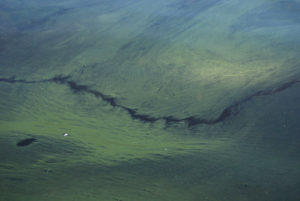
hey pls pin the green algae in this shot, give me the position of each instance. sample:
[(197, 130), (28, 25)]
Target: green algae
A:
[(163, 58)]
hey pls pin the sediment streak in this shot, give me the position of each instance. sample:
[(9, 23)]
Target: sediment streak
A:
[(191, 121)]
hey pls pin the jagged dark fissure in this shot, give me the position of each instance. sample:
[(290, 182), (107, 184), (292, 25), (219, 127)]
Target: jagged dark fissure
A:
[(191, 121)]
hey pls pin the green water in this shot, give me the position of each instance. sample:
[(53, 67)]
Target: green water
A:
[(170, 100)]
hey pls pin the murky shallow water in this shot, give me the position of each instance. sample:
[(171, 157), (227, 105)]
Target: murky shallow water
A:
[(161, 100)]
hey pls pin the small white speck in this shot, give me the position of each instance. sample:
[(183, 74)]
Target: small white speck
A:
[(166, 149), (66, 134)]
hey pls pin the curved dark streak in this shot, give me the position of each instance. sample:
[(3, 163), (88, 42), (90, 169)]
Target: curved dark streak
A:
[(142, 117), (13, 80), (191, 121)]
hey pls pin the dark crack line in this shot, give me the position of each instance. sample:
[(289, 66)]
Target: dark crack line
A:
[(191, 121)]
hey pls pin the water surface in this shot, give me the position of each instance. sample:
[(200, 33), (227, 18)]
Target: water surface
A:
[(162, 100)]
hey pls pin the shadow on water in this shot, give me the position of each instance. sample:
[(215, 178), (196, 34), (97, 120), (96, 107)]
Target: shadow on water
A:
[(26, 142)]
